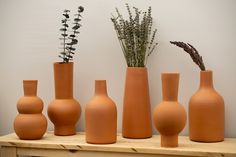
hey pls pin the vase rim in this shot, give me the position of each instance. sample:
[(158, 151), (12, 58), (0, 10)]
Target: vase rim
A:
[(58, 63), (170, 73), (136, 68), (100, 80), (30, 80), (206, 71)]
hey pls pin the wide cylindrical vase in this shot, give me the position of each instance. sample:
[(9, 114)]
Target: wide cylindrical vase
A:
[(136, 104)]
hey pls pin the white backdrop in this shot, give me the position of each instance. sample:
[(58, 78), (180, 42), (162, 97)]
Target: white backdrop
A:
[(29, 46)]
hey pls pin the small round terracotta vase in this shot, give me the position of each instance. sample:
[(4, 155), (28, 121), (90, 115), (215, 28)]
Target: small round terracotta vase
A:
[(30, 123), (136, 107), (100, 116), (169, 115), (206, 112), (64, 111)]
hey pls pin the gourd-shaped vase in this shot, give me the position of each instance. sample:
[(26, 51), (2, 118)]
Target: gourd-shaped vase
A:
[(100, 116), (206, 112), (64, 111), (136, 107), (169, 115), (30, 123)]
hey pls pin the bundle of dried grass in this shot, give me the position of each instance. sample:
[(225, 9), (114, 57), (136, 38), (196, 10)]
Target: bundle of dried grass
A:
[(135, 35)]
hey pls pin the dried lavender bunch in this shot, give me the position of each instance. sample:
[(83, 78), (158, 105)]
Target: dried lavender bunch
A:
[(192, 52), (135, 35), (69, 41)]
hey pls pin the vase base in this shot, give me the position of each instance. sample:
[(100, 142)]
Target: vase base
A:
[(206, 140), (169, 141), (64, 130), (137, 137), (101, 142)]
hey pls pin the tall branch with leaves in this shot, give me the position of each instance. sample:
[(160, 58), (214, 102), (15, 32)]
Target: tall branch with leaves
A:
[(192, 52), (69, 41), (135, 35)]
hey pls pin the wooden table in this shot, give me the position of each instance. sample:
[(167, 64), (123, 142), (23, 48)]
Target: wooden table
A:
[(72, 146)]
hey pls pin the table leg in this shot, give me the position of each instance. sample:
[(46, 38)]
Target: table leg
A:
[(8, 151)]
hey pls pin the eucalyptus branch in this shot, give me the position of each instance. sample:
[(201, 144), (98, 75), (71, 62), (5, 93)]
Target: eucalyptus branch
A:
[(68, 49)]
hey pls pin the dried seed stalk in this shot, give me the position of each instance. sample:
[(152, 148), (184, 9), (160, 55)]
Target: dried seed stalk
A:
[(192, 52)]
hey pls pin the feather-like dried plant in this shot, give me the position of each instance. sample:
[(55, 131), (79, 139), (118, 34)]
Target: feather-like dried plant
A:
[(135, 35), (192, 52), (70, 40)]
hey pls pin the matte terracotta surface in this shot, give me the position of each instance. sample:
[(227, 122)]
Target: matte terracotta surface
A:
[(206, 112), (100, 116), (169, 115), (64, 111), (136, 107), (30, 123), (63, 79)]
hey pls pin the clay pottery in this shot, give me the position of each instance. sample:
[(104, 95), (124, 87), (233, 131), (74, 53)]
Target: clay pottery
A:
[(136, 105), (206, 112), (100, 116), (169, 115), (64, 111), (30, 123)]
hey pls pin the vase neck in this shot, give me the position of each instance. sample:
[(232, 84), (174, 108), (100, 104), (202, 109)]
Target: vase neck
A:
[(206, 79), (170, 85), (30, 87), (100, 87), (63, 76)]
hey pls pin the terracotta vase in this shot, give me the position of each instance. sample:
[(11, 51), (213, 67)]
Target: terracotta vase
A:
[(136, 106), (169, 115), (206, 112), (30, 123), (100, 116), (64, 111)]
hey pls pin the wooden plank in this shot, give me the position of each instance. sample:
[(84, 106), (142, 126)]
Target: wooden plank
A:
[(8, 151), (78, 153), (186, 147)]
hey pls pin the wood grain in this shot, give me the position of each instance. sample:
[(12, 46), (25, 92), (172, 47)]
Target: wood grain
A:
[(8, 151)]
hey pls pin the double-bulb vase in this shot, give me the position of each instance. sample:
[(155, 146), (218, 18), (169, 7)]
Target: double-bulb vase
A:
[(30, 123)]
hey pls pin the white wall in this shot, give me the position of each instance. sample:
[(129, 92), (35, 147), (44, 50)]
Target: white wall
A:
[(29, 46)]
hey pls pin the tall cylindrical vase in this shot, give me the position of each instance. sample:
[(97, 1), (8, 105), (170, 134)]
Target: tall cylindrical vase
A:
[(136, 106), (64, 111), (206, 112), (30, 123), (169, 115), (100, 116)]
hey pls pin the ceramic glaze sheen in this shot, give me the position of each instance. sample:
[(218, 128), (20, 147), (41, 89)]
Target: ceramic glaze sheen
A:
[(64, 111), (100, 117), (30, 123), (169, 115), (136, 106), (206, 112)]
